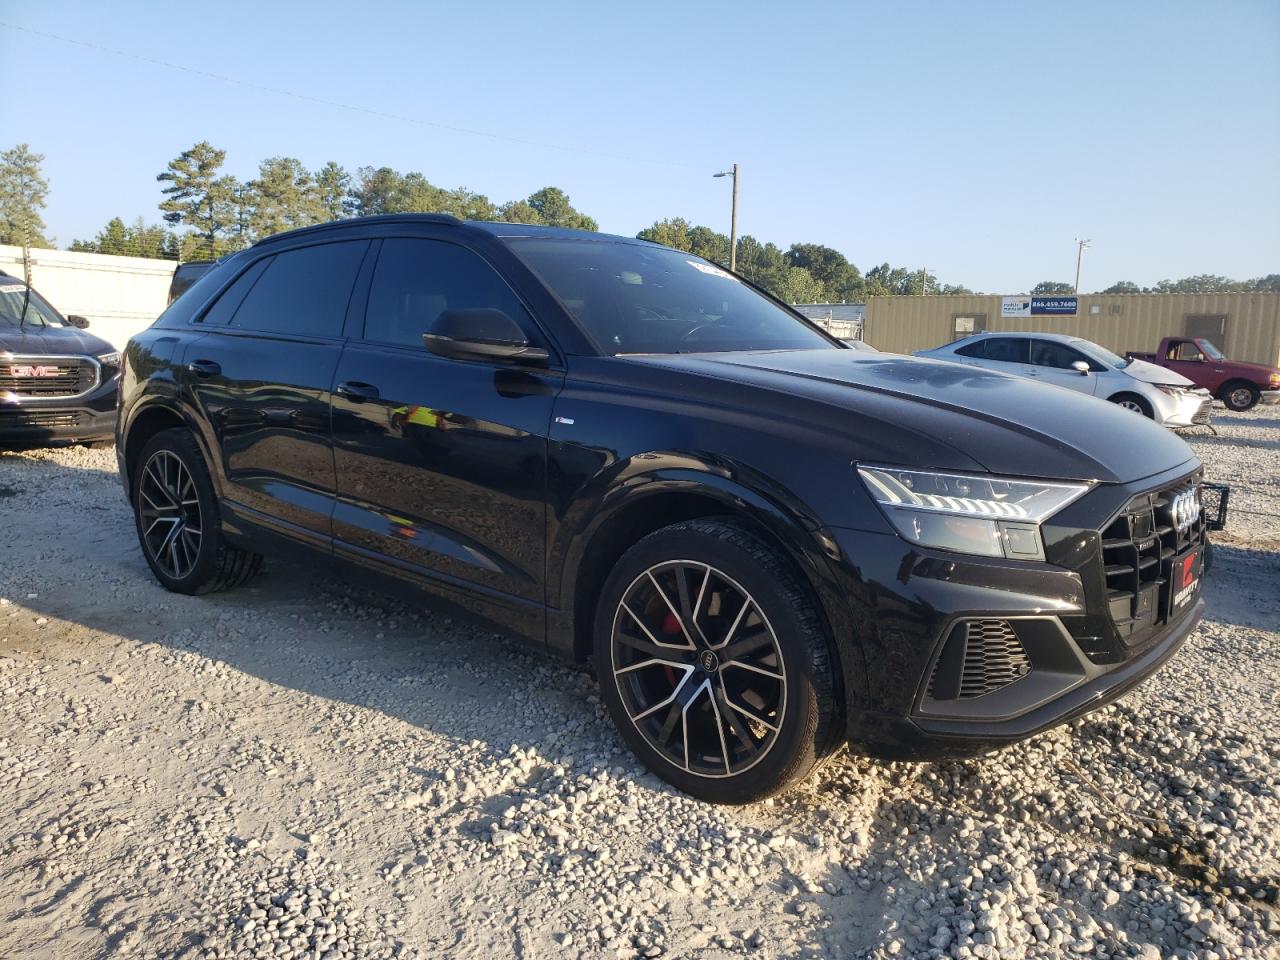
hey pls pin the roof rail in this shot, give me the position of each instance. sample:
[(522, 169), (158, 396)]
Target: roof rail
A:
[(446, 218)]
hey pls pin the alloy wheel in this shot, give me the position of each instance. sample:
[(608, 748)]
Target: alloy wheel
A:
[(698, 668), (169, 514), (1131, 405)]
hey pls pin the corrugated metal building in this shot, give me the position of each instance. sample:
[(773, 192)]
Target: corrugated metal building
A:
[(1246, 326)]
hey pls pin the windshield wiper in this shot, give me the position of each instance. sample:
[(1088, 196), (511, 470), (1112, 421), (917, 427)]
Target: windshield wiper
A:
[(26, 302)]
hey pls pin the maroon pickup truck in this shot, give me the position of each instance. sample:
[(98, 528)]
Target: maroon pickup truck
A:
[(1238, 385)]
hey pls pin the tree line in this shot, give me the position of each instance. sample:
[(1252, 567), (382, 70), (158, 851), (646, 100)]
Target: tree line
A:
[(208, 212)]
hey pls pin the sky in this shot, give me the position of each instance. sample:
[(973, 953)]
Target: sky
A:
[(977, 140)]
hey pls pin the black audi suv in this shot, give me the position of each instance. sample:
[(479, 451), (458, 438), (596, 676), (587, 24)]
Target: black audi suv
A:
[(56, 381), (766, 544)]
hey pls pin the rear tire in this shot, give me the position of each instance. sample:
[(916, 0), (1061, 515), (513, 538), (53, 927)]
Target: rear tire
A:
[(1240, 396), (179, 527), (713, 661), (1134, 403)]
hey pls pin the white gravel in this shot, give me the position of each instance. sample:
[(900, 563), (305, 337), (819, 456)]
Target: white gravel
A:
[(296, 770)]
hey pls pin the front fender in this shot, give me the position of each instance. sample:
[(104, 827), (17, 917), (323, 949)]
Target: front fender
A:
[(734, 489)]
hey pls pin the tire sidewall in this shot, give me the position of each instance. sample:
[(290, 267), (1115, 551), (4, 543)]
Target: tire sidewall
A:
[(793, 752), (179, 443), (1254, 396), (1144, 408)]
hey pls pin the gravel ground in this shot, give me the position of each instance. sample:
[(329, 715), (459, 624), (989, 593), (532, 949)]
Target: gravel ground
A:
[(296, 770)]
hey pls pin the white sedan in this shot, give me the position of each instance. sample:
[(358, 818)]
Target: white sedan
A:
[(1081, 365)]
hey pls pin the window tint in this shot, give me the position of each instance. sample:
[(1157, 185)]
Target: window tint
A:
[(225, 306), (1008, 349), (1046, 353), (416, 280), (976, 349), (303, 291)]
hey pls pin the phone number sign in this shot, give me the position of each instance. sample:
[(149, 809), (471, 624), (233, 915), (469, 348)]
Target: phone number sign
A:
[(1038, 306)]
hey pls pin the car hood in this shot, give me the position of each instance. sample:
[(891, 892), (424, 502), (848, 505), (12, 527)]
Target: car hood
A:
[(987, 420), (39, 341), (1151, 373)]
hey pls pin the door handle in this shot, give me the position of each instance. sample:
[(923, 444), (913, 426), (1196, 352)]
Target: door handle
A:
[(205, 368), (356, 391)]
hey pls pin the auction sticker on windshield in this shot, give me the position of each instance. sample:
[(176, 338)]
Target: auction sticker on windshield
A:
[(709, 269)]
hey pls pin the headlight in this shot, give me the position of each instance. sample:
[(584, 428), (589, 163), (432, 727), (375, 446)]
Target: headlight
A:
[(985, 515), (1171, 389), (1275, 379), (109, 359)]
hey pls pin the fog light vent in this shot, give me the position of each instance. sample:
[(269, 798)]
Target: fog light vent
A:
[(978, 657)]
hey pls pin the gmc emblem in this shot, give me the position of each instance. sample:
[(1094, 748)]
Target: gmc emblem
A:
[(31, 370)]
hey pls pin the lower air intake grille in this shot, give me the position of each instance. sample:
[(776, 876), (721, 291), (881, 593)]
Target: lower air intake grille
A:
[(978, 657), (33, 420)]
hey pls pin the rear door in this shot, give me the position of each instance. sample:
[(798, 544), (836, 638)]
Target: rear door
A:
[(261, 376), (1006, 354), (441, 463)]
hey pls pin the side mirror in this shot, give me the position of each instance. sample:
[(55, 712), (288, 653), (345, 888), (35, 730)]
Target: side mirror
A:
[(1081, 366), (79, 322), (481, 334)]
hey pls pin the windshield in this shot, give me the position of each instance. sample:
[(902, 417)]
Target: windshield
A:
[(1101, 354), (39, 314), (634, 298)]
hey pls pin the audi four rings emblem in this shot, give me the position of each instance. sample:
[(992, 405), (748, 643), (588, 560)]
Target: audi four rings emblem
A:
[(1186, 508)]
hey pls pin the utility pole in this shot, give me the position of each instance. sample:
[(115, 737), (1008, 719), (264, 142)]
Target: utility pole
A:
[(1080, 245), (733, 220), (924, 281)]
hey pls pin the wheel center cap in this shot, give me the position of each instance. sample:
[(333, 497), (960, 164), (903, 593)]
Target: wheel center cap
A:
[(709, 661)]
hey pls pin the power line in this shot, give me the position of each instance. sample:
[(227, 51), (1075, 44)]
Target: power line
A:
[(382, 114)]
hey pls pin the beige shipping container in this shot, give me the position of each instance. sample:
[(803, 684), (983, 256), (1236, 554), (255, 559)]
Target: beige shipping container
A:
[(1246, 326)]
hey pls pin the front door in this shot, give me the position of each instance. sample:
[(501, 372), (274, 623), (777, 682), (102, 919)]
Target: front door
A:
[(1051, 363), (261, 375), (441, 463)]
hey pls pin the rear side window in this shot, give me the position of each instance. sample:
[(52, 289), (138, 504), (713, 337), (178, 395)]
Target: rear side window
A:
[(303, 291), (417, 280), (225, 306), (1004, 349)]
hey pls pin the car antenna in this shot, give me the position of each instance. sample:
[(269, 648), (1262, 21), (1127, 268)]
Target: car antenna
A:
[(26, 302)]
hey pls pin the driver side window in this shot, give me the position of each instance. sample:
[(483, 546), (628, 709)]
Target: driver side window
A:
[(1186, 351), (415, 281), (1046, 353)]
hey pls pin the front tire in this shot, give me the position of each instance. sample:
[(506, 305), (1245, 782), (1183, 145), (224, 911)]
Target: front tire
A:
[(714, 664), (1134, 403), (1240, 396), (176, 514)]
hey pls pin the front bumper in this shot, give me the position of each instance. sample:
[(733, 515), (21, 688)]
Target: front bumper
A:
[(1270, 396), (27, 421), (1078, 645), (1192, 409)]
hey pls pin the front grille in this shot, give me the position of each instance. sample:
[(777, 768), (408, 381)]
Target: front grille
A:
[(47, 377), (36, 419), (978, 657), (1138, 552)]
